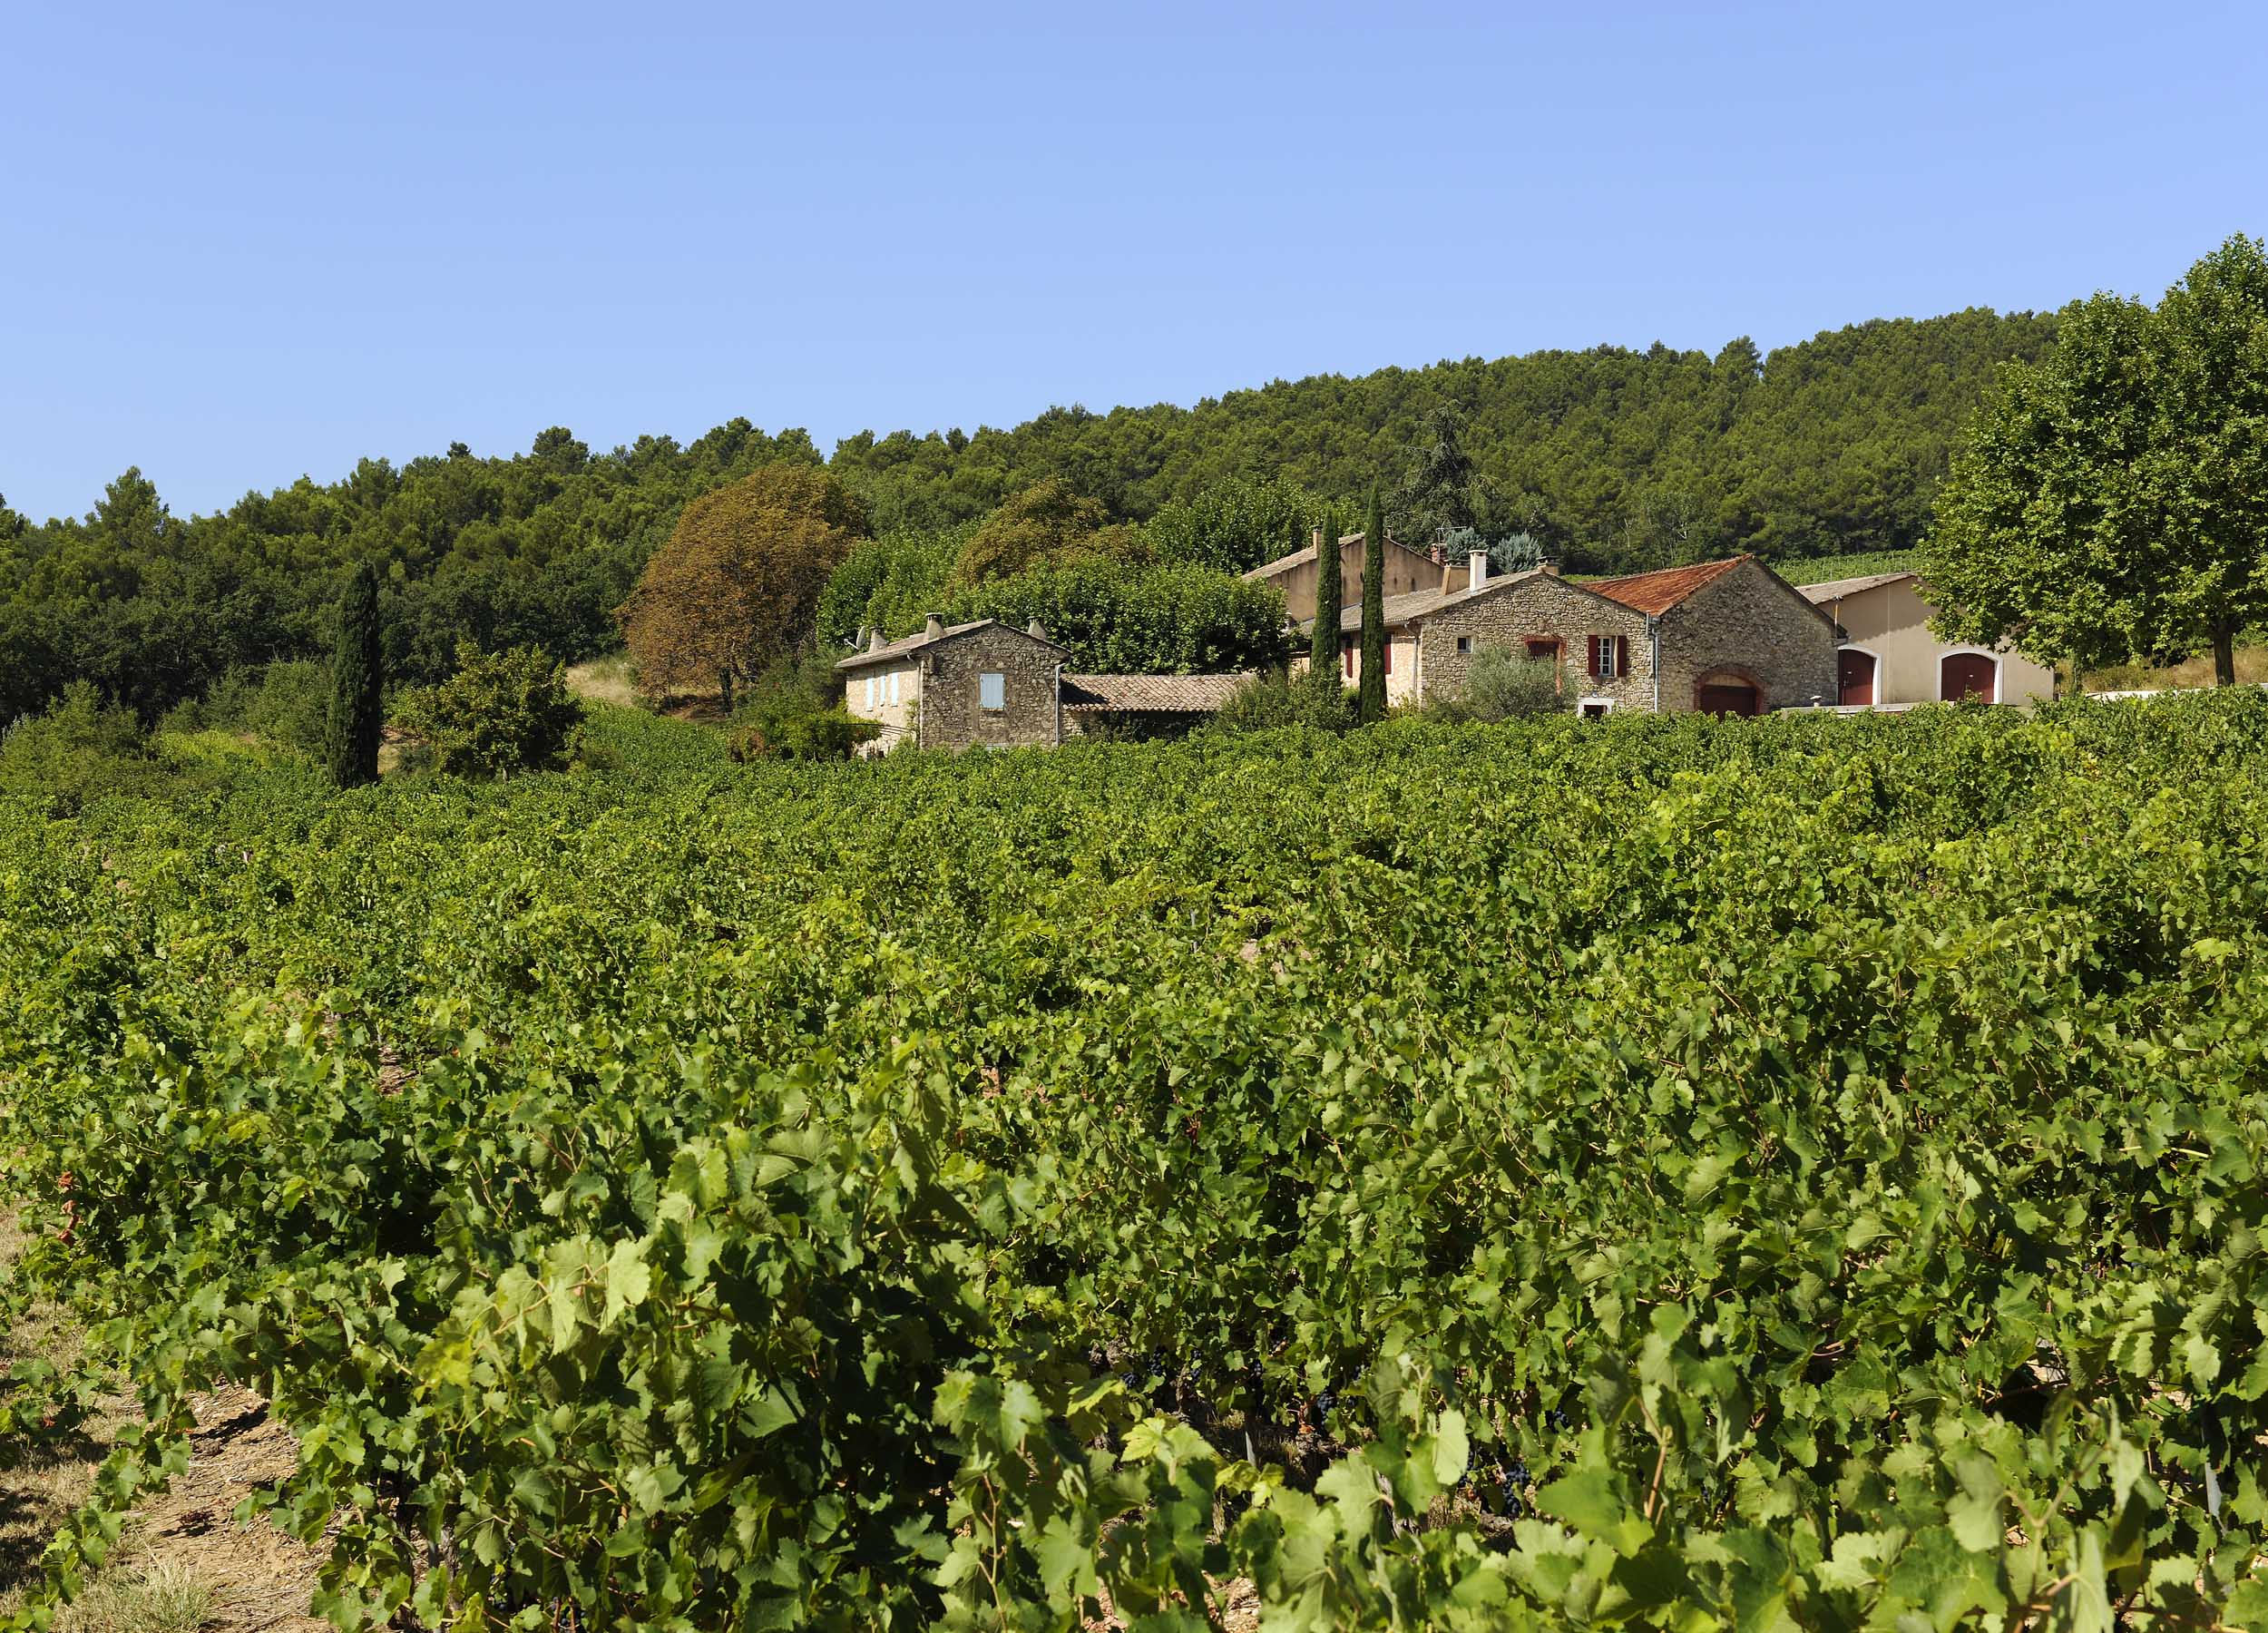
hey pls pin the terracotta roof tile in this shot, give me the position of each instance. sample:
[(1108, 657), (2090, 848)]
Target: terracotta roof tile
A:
[(1657, 593), (1162, 694)]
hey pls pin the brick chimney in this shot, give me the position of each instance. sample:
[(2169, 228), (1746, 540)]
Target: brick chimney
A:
[(933, 628), (1548, 565)]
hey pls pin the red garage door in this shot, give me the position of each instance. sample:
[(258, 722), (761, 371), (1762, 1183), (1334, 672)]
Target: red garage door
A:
[(1854, 678), (1968, 676), (1726, 695)]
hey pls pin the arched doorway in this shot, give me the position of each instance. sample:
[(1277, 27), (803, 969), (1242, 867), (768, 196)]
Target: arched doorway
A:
[(1727, 692), (1968, 678), (1855, 668)]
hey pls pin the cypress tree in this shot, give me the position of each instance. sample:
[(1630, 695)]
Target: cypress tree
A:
[(1374, 676), (1322, 651), (358, 684)]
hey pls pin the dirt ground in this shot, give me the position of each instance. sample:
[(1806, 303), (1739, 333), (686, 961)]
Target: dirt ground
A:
[(183, 1563)]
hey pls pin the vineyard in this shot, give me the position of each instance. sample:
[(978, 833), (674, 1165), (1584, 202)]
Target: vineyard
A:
[(1671, 1173)]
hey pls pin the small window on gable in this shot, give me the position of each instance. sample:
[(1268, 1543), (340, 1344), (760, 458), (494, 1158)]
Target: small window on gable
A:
[(1464, 643), (992, 690)]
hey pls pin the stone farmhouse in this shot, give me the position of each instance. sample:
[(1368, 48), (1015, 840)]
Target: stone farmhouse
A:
[(988, 685), (1728, 637), (1889, 658)]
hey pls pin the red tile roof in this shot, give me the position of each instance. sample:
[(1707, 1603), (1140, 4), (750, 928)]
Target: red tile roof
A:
[(1657, 593)]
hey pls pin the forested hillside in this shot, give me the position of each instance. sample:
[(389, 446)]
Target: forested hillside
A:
[(1618, 458), (1615, 458)]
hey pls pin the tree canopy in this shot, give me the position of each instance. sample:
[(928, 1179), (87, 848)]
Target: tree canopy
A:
[(2113, 497), (737, 585)]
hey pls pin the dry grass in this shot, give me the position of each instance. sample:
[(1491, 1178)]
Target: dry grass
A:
[(158, 1596), (183, 1562), (2194, 673), (606, 680)]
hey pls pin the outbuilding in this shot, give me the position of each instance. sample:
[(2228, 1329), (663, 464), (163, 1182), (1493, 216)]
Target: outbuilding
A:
[(1889, 659)]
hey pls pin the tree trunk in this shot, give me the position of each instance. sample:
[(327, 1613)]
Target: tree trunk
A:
[(724, 688), (2224, 654)]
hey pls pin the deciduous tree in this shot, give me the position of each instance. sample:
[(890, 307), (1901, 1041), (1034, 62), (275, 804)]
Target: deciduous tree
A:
[(1044, 522), (501, 715), (2113, 498), (737, 585)]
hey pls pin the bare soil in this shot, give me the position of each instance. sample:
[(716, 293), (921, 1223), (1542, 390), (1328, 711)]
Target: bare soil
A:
[(183, 1562)]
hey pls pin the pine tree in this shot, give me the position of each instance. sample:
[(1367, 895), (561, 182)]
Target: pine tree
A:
[(1373, 680), (358, 684), (1323, 652)]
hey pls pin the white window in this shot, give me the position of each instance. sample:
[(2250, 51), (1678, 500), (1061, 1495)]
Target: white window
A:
[(992, 690), (1595, 708)]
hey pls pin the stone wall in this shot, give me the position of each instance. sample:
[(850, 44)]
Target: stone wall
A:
[(1750, 626), (1537, 606), (951, 715)]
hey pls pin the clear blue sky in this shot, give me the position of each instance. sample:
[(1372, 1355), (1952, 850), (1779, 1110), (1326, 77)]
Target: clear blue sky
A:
[(242, 242)]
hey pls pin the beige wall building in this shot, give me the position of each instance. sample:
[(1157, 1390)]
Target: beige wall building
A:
[(1889, 655), (1408, 572)]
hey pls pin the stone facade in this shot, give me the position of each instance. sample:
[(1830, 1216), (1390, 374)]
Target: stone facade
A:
[(952, 712), (1748, 624), (1537, 607), (1727, 635)]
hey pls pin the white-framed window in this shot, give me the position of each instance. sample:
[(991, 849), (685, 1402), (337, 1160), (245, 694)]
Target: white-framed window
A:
[(1595, 709), (1609, 657), (992, 691)]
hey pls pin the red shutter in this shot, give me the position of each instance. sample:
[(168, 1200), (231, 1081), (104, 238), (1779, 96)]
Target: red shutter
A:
[(1591, 665), (1622, 656)]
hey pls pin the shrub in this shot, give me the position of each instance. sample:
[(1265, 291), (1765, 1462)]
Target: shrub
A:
[(791, 714), (285, 703), (500, 715), (1501, 685), (80, 749), (1275, 699)]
